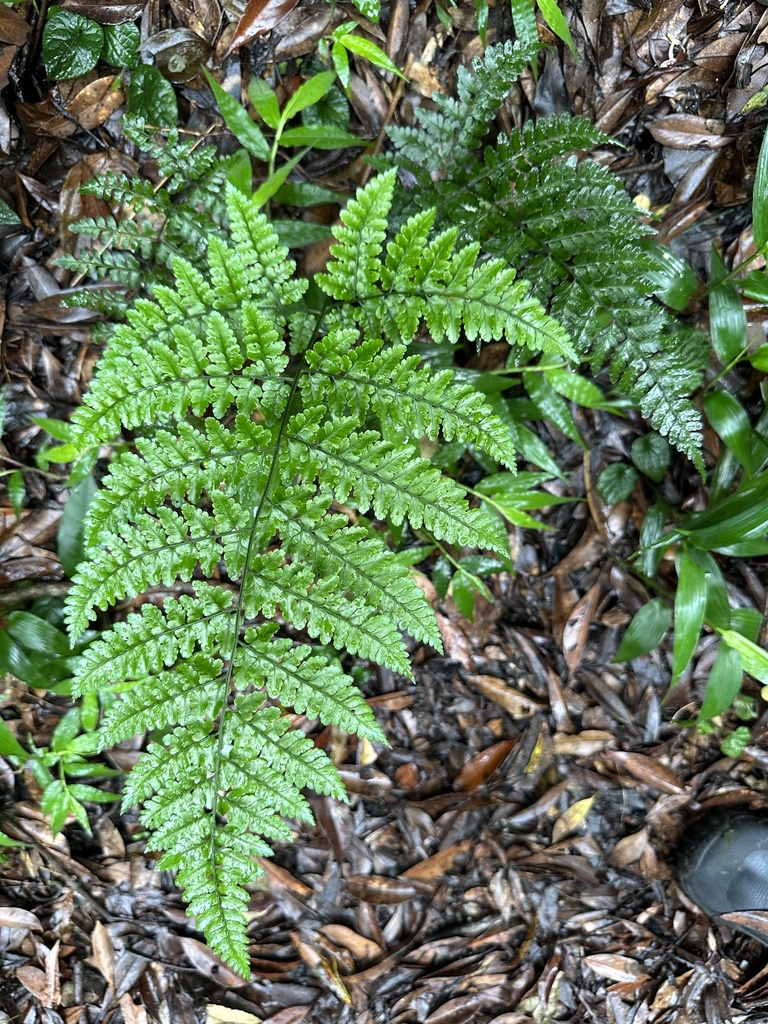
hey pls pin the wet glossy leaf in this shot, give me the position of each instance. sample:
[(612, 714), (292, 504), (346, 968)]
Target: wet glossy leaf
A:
[(151, 98), (728, 321), (35, 634), (577, 388), (107, 12), (333, 109), (463, 593), (652, 545), (739, 517), (524, 20), (368, 8), (265, 191), (121, 45), (7, 215), (239, 171), (236, 118), (305, 193), (340, 59), (617, 482), (671, 277), (723, 684), (747, 621), (10, 746), (72, 45), (264, 100), (755, 285), (690, 602), (482, 565), (646, 630), (481, 767), (718, 610), (442, 572), (731, 423), (760, 197), (759, 359)]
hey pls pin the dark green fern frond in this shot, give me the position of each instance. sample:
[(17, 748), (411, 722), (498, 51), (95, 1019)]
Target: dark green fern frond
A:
[(566, 225)]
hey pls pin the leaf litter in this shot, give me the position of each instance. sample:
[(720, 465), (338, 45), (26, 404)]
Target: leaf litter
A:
[(509, 859)]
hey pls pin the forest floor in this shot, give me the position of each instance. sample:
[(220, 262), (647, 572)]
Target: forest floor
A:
[(511, 858)]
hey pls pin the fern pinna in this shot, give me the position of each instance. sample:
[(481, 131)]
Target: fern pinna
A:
[(257, 417), (566, 224)]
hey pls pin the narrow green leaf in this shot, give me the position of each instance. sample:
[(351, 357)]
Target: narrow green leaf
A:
[(753, 658), (690, 603), (747, 621), (760, 197), (718, 610), (368, 8), (645, 631), (524, 20), (340, 59), (309, 92), (755, 284), (728, 321), (551, 405), (236, 118), (239, 171), (442, 572), (297, 233), (265, 191), (577, 388), (264, 100), (59, 429), (36, 634), (370, 51), (321, 136), (556, 20), (17, 491), (652, 547), (463, 593), (305, 193), (759, 359), (723, 684)]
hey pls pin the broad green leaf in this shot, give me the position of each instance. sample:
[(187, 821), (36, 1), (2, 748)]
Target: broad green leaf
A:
[(748, 622), (671, 277), (14, 659), (55, 805), (309, 92), (10, 746), (72, 44), (760, 197), (759, 359), (442, 572), (340, 59), (246, 131), (577, 388), (753, 658), (690, 602), (59, 429), (727, 319), (731, 423), (297, 233), (264, 100), (481, 565), (556, 20), (755, 285), (551, 406), (151, 98), (370, 51), (651, 455), (89, 711), (617, 482), (121, 45), (368, 8), (413, 556), (718, 610), (723, 684), (66, 730), (481, 17), (333, 109), (239, 171), (739, 517), (35, 634), (321, 136), (71, 526), (463, 592), (305, 193), (645, 631)]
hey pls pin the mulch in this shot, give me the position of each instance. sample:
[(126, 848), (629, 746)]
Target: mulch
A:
[(510, 858)]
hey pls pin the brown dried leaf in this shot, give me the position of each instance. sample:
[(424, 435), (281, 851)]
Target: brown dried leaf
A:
[(381, 889), (433, 868), (519, 705), (103, 954), (577, 626), (650, 772), (455, 642), (15, 917), (572, 818), (686, 131), (225, 1015), (44, 985), (753, 921), (615, 967), (107, 12), (132, 1012), (260, 16), (13, 28), (360, 947), (202, 16), (583, 744), (178, 53), (210, 965), (481, 767), (94, 104), (629, 849)]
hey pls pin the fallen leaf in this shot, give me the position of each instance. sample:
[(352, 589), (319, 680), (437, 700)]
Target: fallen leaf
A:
[(433, 868), (616, 967), (133, 1013), (361, 947), (103, 954), (224, 1015), (13, 28), (107, 12), (481, 767), (650, 772), (381, 889), (684, 131), (95, 103), (210, 965), (577, 626), (15, 917), (260, 16), (583, 744), (519, 705), (572, 818)]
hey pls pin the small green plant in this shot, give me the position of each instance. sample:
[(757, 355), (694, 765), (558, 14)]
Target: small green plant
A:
[(73, 45)]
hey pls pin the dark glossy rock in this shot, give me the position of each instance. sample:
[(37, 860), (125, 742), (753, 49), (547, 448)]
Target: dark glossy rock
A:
[(723, 862)]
